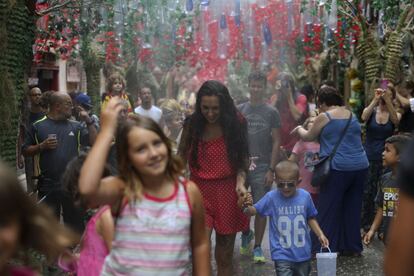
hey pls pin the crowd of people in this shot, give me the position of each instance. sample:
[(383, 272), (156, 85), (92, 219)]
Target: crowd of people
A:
[(147, 182)]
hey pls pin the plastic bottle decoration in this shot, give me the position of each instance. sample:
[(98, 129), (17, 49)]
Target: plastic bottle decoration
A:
[(380, 29), (267, 34), (264, 59), (307, 18), (223, 37), (262, 3), (250, 34), (333, 16), (205, 13), (290, 16), (237, 12), (189, 5)]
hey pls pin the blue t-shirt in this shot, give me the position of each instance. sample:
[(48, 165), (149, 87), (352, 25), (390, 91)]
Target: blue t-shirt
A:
[(289, 233)]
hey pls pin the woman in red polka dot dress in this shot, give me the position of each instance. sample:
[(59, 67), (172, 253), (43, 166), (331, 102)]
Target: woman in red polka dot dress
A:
[(214, 144)]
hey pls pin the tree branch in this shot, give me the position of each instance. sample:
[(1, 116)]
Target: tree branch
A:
[(53, 8)]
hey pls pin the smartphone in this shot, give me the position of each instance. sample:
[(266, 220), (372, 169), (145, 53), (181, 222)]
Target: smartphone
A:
[(384, 84)]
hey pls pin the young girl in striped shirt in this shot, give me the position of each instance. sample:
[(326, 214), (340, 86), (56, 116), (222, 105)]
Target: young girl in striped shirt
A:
[(159, 216)]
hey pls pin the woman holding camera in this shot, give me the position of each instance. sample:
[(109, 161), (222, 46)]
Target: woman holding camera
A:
[(292, 107), (381, 119)]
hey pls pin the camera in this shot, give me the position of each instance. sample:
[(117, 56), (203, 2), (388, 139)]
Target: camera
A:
[(285, 83)]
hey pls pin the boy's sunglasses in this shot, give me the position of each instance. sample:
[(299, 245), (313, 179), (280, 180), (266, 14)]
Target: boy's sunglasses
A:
[(288, 184)]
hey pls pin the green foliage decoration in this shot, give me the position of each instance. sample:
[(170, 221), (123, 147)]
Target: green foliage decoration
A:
[(17, 27)]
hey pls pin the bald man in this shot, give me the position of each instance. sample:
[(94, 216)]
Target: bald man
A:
[(57, 140)]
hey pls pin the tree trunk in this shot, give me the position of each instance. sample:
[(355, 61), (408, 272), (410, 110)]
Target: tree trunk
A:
[(17, 32), (93, 78)]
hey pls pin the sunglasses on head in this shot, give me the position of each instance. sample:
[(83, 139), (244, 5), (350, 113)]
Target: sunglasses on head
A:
[(288, 184)]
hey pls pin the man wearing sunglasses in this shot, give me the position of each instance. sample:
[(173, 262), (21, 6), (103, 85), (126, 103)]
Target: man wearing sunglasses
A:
[(291, 213)]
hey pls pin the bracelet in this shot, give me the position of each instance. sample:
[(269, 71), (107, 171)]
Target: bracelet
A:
[(272, 170)]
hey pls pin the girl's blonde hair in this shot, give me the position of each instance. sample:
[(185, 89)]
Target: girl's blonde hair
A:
[(39, 228), (170, 107), (127, 172)]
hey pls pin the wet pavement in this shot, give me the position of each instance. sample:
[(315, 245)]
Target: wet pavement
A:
[(369, 264)]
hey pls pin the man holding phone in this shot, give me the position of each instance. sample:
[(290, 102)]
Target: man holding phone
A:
[(57, 140)]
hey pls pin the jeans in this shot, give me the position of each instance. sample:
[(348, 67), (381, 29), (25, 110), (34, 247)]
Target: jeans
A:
[(286, 268), (256, 181), (60, 202)]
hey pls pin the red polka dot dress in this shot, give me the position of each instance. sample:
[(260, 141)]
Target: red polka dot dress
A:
[(217, 180)]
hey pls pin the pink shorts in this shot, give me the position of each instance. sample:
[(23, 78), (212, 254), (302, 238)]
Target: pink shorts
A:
[(220, 203)]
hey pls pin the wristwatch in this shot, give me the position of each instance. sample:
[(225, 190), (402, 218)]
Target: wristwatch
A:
[(271, 169)]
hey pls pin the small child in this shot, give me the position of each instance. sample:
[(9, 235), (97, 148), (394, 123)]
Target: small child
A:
[(26, 225), (387, 196), (290, 210), (306, 155), (97, 238)]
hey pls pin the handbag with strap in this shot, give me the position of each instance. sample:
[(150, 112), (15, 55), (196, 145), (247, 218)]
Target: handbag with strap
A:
[(323, 167)]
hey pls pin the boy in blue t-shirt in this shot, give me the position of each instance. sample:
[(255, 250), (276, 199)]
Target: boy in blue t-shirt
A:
[(290, 210)]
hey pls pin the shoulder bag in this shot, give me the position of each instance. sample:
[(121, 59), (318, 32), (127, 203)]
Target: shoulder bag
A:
[(322, 168)]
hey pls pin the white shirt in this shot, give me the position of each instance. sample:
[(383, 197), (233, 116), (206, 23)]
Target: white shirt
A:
[(154, 113)]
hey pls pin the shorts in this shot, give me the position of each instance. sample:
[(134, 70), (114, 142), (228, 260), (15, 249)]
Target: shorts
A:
[(256, 181), (286, 268), (220, 202)]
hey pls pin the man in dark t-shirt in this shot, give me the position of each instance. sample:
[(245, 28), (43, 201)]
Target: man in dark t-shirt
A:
[(57, 140), (263, 124), (33, 112), (387, 200)]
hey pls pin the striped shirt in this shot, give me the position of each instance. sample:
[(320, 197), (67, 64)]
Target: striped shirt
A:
[(152, 236)]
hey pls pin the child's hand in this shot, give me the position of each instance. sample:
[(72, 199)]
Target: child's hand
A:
[(109, 115), (368, 237), (245, 200), (324, 241)]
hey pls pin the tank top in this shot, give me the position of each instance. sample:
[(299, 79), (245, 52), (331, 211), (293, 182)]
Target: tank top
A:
[(152, 236), (350, 155), (376, 136), (94, 250)]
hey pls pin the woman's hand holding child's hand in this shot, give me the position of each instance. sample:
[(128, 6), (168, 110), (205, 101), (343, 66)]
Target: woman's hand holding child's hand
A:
[(246, 200)]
